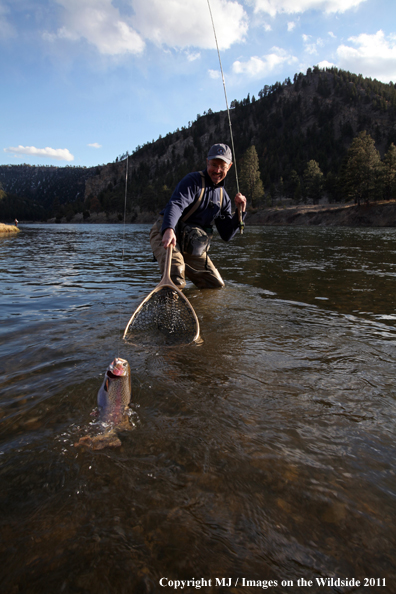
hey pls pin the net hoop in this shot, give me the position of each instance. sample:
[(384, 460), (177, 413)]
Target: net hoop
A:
[(167, 283)]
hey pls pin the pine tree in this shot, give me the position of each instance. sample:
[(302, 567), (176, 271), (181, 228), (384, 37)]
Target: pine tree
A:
[(293, 186), (388, 173), (313, 181), (251, 183), (360, 176)]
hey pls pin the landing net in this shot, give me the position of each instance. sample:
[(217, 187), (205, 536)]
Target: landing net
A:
[(165, 318)]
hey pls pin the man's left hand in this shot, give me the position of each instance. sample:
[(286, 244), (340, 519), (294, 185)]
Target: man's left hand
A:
[(240, 199)]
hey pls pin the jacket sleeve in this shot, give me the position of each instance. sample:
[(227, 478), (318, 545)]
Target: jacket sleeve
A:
[(227, 223), (183, 195)]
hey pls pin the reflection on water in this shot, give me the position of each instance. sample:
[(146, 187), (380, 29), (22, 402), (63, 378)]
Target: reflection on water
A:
[(265, 452)]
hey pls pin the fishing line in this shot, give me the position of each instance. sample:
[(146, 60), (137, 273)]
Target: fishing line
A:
[(123, 236), (226, 100)]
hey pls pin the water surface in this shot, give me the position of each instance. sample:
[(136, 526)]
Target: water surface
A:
[(266, 452)]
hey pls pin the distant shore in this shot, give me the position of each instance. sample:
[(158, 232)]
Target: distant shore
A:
[(374, 214), (6, 229)]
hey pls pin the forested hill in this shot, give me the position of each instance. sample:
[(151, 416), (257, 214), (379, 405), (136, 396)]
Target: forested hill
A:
[(315, 117), (34, 193)]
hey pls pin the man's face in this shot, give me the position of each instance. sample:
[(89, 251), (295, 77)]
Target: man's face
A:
[(217, 169)]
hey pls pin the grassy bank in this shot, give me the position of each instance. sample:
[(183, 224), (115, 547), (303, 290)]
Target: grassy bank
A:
[(5, 229)]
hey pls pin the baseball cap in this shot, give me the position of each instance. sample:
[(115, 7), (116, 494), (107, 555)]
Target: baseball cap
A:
[(220, 151)]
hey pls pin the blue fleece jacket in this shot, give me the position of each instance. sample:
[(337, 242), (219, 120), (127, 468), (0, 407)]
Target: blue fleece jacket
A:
[(208, 212)]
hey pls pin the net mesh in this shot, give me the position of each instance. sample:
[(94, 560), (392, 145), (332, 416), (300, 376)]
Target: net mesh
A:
[(166, 318)]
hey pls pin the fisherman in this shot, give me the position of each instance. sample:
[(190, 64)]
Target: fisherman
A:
[(198, 202), (16, 222)]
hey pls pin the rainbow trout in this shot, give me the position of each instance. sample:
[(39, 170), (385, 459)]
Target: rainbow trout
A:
[(114, 397)]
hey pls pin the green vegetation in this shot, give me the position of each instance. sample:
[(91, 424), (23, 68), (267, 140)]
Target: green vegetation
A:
[(360, 175), (313, 181), (388, 173), (250, 177), (38, 193)]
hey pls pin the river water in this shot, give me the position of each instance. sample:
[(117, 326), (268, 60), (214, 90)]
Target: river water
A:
[(264, 453)]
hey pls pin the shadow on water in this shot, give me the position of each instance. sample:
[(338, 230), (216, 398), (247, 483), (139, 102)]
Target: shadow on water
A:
[(264, 452)]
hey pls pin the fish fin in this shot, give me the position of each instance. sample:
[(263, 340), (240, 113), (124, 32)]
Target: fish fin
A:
[(125, 424), (109, 439)]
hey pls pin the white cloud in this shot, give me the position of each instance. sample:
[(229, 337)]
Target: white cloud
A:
[(58, 154), (101, 24), (177, 23), (373, 56), (95, 145), (273, 7), (311, 47), (291, 25), (325, 64), (174, 23), (191, 57), (257, 66), (214, 73)]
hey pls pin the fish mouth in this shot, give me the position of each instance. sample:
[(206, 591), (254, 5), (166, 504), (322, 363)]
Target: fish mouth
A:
[(112, 375), (117, 368)]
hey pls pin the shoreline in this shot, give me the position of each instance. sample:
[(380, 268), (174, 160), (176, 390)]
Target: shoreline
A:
[(374, 214)]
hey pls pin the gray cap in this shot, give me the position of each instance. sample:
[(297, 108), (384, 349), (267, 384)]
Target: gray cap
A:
[(220, 151)]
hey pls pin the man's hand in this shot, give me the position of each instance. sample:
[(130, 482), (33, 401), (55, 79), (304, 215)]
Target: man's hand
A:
[(240, 199), (168, 238)]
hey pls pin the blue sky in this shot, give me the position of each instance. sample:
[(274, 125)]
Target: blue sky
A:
[(83, 81)]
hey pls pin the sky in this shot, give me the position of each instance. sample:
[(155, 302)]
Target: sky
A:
[(84, 81)]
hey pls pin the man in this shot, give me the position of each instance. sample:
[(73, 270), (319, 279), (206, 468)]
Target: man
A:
[(186, 223)]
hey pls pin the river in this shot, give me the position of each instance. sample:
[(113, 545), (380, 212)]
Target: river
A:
[(261, 458)]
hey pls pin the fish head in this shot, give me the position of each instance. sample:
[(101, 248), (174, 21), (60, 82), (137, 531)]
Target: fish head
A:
[(118, 368)]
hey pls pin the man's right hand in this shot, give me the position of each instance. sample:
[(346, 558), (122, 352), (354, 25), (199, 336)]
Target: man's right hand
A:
[(168, 238)]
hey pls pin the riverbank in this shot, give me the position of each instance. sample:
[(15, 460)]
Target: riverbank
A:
[(375, 214), (6, 229), (99, 218)]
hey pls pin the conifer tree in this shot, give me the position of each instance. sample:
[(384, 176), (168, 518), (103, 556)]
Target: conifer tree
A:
[(313, 181), (251, 183), (293, 186), (360, 176), (388, 173)]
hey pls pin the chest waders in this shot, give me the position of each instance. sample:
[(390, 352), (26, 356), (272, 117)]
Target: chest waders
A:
[(195, 240)]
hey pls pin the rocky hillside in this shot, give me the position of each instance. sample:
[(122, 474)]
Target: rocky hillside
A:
[(315, 116)]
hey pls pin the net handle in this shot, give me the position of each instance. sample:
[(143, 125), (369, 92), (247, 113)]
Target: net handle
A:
[(240, 217), (166, 278)]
